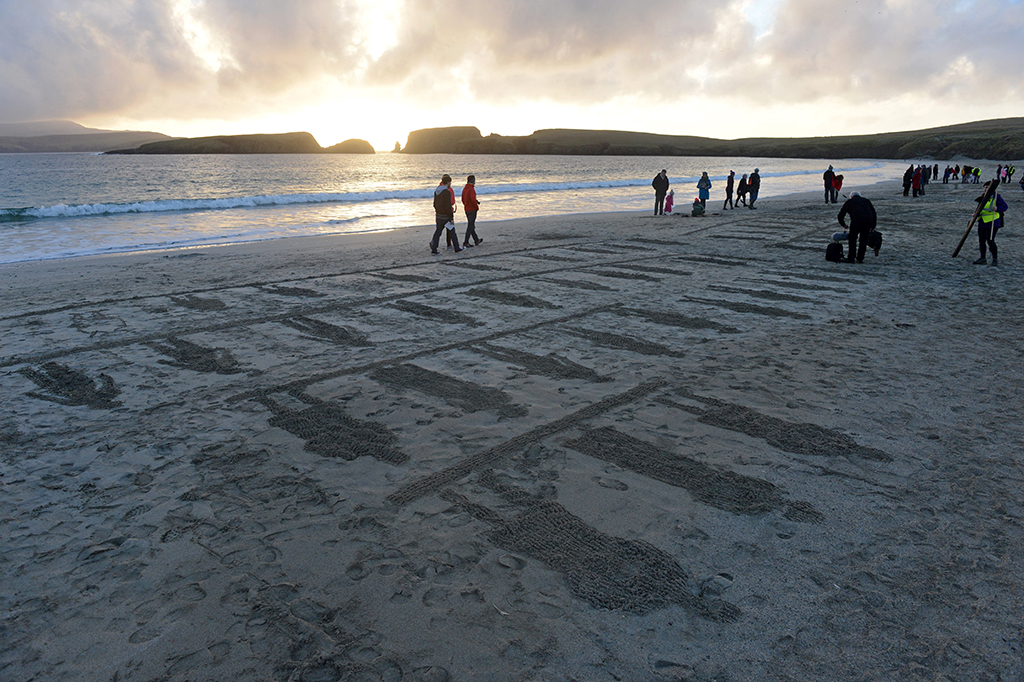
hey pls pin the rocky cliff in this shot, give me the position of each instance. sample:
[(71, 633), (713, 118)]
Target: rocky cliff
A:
[(283, 143), (1000, 139)]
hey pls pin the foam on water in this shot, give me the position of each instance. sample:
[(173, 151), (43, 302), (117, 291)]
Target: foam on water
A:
[(66, 205)]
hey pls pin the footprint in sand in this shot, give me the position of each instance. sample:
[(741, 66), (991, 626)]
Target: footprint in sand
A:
[(611, 483), (512, 562)]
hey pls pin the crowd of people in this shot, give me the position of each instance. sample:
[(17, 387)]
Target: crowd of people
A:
[(746, 192), (863, 218)]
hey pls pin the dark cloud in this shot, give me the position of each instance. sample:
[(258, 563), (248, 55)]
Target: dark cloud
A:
[(62, 59)]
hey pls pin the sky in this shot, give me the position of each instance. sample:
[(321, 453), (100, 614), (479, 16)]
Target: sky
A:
[(378, 69)]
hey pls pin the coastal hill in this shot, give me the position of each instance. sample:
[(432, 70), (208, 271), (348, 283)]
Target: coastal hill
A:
[(993, 139), (68, 136), (281, 143)]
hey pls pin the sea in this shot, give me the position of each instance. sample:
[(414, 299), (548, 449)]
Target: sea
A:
[(55, 206)]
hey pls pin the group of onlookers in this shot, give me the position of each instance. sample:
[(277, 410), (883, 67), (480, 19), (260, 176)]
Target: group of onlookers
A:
[(746, 191)]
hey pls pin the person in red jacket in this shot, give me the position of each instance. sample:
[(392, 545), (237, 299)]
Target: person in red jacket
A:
[(837, 186), (472, 205)]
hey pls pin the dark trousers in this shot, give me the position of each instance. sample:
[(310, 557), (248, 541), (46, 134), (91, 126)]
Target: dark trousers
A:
[(987, 236), (471, 227), (728, 200), (753, 197), (659, 204), (441, 221), (851, 241)]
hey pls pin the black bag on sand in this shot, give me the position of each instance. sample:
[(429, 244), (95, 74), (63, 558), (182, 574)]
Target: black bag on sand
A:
[(875, 240), (834, 252)]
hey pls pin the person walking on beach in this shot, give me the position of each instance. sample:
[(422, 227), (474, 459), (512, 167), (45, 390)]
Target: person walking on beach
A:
[(754, 186), (728, 191), (828, 177), (470, 205), (989, 221), (704, 189), (741, 191), (444, 212), (660, 185), (863, 220)]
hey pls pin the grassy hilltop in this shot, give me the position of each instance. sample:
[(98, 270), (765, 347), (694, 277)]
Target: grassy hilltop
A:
[(995, 139)]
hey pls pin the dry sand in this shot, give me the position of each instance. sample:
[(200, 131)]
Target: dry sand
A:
[(610, 447)]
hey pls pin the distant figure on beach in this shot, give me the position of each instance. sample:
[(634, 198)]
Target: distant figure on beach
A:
[(925, 172), (660, 185), (863, 220), (754, 186), (935, 172), (908, 179), (828, 177), (837, 186), (670, 201), (966, 174), (729, 184), (698, 208), (470, 205), (915, 181), (444, 213), (1010, 172), (741, 191), (704, 189), (989, 221), (977, 175)]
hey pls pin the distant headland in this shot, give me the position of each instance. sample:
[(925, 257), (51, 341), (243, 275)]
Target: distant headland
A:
[(996, 139), (993, 139), (281, 143)]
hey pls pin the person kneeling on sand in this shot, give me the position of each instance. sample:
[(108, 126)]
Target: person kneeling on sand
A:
[(698, 208), (862, 221)]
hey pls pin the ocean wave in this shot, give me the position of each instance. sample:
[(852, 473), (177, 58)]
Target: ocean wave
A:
[(244, 202)]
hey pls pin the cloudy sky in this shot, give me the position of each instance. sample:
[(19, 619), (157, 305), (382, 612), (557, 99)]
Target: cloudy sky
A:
[(377, 69)]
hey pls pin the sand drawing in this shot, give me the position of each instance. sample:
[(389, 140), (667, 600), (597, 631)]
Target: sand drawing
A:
[(67, 386), (188, 355)]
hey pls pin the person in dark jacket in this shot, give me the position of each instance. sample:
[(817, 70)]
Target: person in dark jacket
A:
[(444, 212), (908, 177), (828, 176), (728, 191), (754, 186), (863, 220), (660, 185)]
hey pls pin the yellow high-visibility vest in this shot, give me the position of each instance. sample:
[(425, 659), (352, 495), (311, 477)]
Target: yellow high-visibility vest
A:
[(988, 211)]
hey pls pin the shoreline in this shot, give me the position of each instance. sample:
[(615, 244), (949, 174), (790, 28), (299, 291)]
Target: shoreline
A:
[(602, 447), (356, 235)]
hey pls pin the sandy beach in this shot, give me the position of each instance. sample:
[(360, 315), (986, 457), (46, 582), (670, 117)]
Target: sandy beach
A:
[(594, 447)]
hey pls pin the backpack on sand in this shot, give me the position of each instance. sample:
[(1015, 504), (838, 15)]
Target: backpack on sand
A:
[(834, 252)]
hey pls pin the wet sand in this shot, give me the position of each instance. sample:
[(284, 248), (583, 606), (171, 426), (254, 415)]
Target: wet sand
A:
[(606, 447)]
